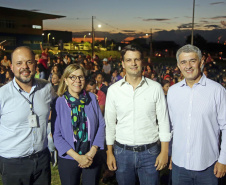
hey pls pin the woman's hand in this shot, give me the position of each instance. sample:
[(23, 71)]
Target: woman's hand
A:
[(92, 152), (84, 161), (90, 155)]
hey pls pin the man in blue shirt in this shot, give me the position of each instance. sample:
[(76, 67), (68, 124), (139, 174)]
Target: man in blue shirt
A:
[(24, 110), (197, 107)]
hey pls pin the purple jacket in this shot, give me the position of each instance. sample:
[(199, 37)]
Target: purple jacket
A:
[(62, 127)]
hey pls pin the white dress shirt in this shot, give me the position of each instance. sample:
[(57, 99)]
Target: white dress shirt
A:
[(197, 115), (136, 113)]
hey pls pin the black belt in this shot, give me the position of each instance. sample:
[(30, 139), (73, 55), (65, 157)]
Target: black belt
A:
[(36, 155), (32, 156), (139, 148)]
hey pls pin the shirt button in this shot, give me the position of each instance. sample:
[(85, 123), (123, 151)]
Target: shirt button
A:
[(189, 115)]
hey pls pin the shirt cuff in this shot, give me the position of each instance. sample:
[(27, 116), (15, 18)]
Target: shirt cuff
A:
[(222, 159), (165, 137), (110, 141)]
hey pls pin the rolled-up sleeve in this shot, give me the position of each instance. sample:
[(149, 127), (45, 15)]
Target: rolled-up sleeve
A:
[(162, 116)]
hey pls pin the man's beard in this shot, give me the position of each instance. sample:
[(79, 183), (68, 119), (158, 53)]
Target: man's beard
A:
[(27, 80)]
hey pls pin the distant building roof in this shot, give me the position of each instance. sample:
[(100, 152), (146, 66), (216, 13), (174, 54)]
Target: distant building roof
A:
[(86, 39), (25, 13)]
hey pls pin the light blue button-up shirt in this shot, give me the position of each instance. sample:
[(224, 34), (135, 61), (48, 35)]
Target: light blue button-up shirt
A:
[(197, 115), (17, 138)]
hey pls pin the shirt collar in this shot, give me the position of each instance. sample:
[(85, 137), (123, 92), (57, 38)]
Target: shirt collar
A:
[(34, 85), (202, 81), (143, 80)]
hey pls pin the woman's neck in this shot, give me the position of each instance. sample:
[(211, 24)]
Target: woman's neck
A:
[(75, 95)]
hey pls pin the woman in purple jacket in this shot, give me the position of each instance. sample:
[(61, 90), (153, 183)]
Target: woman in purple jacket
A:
[(79, 130)]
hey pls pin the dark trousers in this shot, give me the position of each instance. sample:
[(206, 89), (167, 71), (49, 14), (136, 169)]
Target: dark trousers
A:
[(70, 173), (32, 170)]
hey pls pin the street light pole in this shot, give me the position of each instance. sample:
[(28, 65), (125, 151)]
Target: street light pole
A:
[(193, 17), (92, 38), (151, 49)]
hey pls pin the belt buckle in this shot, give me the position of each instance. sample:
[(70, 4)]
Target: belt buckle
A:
[(135, 148)]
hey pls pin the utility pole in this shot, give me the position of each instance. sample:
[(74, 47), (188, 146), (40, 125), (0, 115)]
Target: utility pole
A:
[(151, 49), (193, 17), (92, 38)]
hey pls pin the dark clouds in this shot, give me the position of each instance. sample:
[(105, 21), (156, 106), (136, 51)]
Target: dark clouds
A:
[(157, 29), (189, 25), (218, 17), (212, 26), (204, 21), (217, 3), (129, 31), (157, 19)]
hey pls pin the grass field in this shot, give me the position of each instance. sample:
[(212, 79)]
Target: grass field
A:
[(55, 179)]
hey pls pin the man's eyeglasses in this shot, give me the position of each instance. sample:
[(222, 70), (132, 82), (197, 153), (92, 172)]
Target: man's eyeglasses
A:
[(73, 78)]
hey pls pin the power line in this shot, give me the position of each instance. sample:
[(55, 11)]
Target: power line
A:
[(107, 24)]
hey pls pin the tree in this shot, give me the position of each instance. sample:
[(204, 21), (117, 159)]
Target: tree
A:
[(199, 41)]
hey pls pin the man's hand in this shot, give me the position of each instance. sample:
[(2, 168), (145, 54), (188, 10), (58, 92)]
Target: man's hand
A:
[(219, 170), (111, 162), (161, 160)]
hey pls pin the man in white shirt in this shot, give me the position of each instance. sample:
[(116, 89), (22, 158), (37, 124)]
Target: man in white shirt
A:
[(197, 112), (135, 103)]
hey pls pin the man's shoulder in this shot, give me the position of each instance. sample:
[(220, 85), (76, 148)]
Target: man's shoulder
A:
[(176, 85), (42, 82), (6, 88), (116, 85), (174, 90), (152, 82), (213, 84)]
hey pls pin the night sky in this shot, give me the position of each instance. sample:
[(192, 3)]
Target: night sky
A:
[(126, 16)]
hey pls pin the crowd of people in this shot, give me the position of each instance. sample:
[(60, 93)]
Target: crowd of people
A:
[(128, 95), (109, 70)]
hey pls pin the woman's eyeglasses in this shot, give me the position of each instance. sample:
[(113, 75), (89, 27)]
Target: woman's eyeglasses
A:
[(73, 78)]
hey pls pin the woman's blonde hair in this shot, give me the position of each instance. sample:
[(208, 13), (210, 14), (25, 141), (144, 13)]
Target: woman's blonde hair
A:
[(69, 69)]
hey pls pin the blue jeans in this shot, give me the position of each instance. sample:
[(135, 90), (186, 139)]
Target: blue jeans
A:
[(188, 177), (132, 165)]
